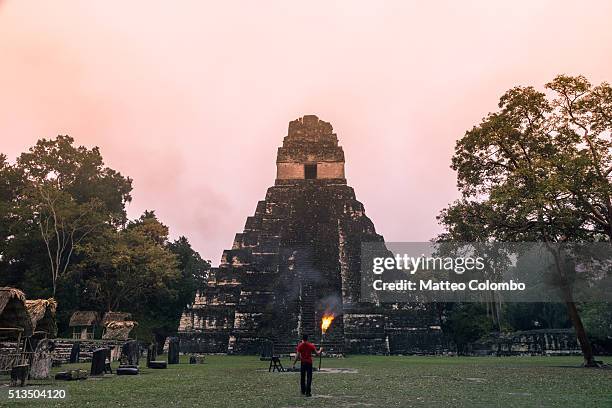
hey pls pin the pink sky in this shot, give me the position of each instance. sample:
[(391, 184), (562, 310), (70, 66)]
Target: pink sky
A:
[(191, 99)]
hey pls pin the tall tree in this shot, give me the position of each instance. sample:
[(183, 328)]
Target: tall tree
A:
[(194, 271), (63, 225), (68, 195), (10, 183), (64, 232), (164, 312), (127, 266), (78, 171), (538, 170)]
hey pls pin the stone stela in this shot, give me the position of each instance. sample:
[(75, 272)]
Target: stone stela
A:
[(298, 256)]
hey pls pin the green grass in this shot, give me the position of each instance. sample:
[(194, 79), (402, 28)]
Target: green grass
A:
[(226, 381)]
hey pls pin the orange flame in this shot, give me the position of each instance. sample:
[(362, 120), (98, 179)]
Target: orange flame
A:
[(326, 321)]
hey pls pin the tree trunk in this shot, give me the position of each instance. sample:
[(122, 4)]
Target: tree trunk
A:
[(572, 311), (583, 339)]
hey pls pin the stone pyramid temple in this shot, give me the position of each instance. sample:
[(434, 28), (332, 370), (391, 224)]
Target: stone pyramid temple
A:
[(298, 258)]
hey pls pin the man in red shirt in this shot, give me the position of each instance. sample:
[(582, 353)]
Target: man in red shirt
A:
[(304, 353)]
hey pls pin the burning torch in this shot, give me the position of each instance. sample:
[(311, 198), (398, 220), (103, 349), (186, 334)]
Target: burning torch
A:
[(326, 321)]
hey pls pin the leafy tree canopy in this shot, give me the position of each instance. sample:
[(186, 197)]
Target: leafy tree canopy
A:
[(64, 232), (538, 169)]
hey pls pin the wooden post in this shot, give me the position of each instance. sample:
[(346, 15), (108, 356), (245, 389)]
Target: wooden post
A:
[(321, 353)]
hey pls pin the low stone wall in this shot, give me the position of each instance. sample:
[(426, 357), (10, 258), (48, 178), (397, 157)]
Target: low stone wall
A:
[(421, 341), (405, 341), (64, 346), (531, 342), (203, 342)]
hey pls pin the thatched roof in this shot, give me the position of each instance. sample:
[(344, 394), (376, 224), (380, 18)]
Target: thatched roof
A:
[(6, 294), (83, 318), (115, 317), (13, 312), (119, 330), (42, 313)]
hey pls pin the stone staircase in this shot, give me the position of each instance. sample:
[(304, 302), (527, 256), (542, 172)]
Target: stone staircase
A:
[(307, 302), (62, 352)]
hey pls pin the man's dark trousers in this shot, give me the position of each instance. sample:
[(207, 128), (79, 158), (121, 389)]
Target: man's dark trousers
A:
[(305, 377)]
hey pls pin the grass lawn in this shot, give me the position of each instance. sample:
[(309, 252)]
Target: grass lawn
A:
[(238, 381)]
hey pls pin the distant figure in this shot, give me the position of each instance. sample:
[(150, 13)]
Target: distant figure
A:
[(304, 353)]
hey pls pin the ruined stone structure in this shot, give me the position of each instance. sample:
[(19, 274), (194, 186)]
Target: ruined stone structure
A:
[(545, 342), (298, 257)]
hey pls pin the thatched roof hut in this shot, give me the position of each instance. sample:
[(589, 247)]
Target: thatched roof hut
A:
[(13, 312), (83, 319), (115, 317), (119, 330), (84, 324), (42, 313)]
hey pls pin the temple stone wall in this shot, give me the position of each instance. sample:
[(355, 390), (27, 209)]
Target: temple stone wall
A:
[(330, 170), (289, 171), (325, 170), (203, 342)]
